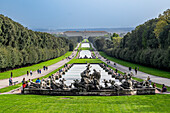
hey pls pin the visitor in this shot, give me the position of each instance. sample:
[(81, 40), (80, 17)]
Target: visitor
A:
[(27, 73), (26, 84), (116, 71), (31, 72), (130, 68), (136, 70), (114, 64), (38, 81), (149, 80), (11, 74), (46, 68), (23, 81), (40, 71), (29, 82), (164, 89), (154, 85), (10, 81), (23, 85)]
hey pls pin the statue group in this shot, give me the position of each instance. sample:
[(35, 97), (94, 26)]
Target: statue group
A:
[(91, 81)]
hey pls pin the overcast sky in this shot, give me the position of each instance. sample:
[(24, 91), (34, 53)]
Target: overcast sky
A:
[(54, 14)]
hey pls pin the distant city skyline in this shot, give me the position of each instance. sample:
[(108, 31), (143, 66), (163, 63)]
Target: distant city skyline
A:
[(75, 14)]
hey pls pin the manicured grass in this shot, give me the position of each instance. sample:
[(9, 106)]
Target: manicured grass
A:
[(86, 48), (22, 71), (85, 61), (85, 40), (9, 88), (149, 70), (85, 104)]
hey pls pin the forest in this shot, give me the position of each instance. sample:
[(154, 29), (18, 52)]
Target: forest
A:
[(20, 46), (148, 44)]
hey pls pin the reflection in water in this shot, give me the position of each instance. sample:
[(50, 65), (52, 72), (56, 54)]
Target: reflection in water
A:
[(74, 73), (84, 53)]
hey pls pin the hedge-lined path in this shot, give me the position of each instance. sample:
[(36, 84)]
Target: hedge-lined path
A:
[(141, 75), (5, 82)]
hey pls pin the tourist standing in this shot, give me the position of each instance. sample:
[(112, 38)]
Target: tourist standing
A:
[(40, 71), (31, 72), (114, 64), (10, 81), (27, 73), (130, 68), (23, 85), (46, 68), (23, 81), (136, 70), (116, 71)]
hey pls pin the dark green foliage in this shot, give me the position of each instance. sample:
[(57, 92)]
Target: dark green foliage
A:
[(20, 46), (73, 41), (142, 46)]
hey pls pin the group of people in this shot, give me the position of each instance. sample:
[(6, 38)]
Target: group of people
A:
[(25, 83), (29, 73), (136, 69)]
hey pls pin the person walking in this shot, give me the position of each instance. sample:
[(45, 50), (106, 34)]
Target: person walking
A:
[(27, 73), (10, 81), (40, 71), (136, 70), (130, 68), (31, 72)]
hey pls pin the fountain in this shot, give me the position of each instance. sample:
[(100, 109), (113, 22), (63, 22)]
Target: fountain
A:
[(94, 80)]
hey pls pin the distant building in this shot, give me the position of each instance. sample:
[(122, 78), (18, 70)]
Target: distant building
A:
[(85, 34)]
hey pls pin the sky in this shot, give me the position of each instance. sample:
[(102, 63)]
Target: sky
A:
[(68, 14)]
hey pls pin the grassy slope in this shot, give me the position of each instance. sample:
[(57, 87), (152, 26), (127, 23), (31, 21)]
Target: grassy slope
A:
[(149, 70), (85, 40), (22, 71), (92, 104), (85, 60)]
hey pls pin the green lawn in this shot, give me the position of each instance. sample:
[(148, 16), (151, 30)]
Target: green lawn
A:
[(149, 70), (85, 40), (86, 48), (85, 104), (22, 71), (85, 61)]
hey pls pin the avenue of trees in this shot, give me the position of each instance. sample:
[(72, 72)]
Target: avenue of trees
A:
[(20, 46), (148, 44)]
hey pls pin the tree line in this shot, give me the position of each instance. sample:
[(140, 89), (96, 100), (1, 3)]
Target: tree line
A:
[(20, 46), (148, 44)]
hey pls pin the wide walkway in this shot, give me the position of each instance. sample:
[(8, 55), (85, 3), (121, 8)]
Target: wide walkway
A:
[(5, 82), (141, 75)]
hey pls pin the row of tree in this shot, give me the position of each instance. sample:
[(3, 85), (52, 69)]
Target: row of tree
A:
[(148, 44), (20, 46)]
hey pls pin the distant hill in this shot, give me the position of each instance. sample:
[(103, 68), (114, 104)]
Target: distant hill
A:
[(110, 30)]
